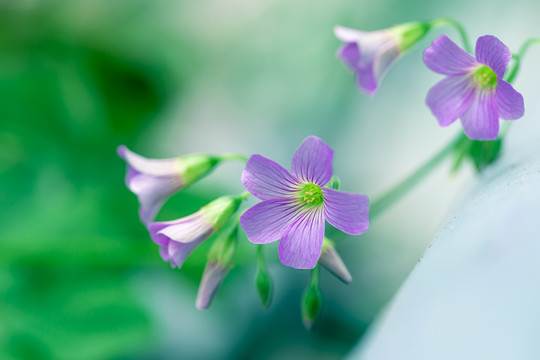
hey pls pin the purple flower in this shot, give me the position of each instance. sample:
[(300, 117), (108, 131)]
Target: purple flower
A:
[(295, 204), (474, 90), (155, 180), (178, 238), (371, 54)]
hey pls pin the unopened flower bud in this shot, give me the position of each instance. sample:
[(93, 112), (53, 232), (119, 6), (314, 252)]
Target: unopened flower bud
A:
[(213, 276), (331, 260), (312, 301), (263, 283)]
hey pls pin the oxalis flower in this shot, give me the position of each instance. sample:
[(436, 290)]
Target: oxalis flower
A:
[(155, 180), (474, 90), (371, 54), (295, 204), (178, 238)]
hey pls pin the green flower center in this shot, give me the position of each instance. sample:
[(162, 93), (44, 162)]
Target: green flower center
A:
[(485, 78), (310, 195)]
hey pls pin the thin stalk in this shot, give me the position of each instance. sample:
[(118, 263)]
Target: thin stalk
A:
[(510, 76), (397, 192), (233, 156)]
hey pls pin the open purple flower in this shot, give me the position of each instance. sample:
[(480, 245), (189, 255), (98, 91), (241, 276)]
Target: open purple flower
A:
[(371, 54), (178, 238), (474, 90), (155, 180), (295, 204)]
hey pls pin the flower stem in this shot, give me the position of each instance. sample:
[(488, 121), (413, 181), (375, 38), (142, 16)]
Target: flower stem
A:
[(233, 156), (260, 256), (510, 75), (397, 192), (456, 25), (244, 195)]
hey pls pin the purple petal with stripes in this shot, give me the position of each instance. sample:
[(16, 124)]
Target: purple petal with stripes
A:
[(266, 179), (266, 221), (312, 161), (345, 211), (300, 247)]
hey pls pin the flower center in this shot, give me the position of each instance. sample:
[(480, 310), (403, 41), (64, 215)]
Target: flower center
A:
[(485, 78), (310, 195)]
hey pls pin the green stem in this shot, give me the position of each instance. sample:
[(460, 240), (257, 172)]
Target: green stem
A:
[(510, 75), (398, 191), (260, 257), (461, 30), (233, 156), (244, 195), (314, 280)]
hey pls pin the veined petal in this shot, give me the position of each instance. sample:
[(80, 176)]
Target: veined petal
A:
[(192, 228), (450, 97), (492, 52), (312, 161), (266, 221), (300, 247), (445, 57), (347, 212), (179, 252), (509, 101), (157, 167), (176, 253), (481, 120), (152, 192), (266, 179)]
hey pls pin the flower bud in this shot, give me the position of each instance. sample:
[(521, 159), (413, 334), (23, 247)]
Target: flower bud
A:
[(213, 276), (331, 260), (312, 301), (263, 283)]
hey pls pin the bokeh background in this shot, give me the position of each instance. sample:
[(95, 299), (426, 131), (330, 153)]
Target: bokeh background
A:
[(79, 277)]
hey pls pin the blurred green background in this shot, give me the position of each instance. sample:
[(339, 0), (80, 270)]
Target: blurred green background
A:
[(79, 276)]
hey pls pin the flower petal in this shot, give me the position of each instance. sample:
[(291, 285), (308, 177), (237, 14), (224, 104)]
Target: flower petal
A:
[(266, 221), (350, 55), (179, 252), (152, 191), (157, 167), (312, 161), (445, 57), (492, 52), (481, 120), (266, 179), (188, 229), (450, 97), (345, 211), (347, 34), (301, 246), (171, 251), (365, 79), (509, 101)]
